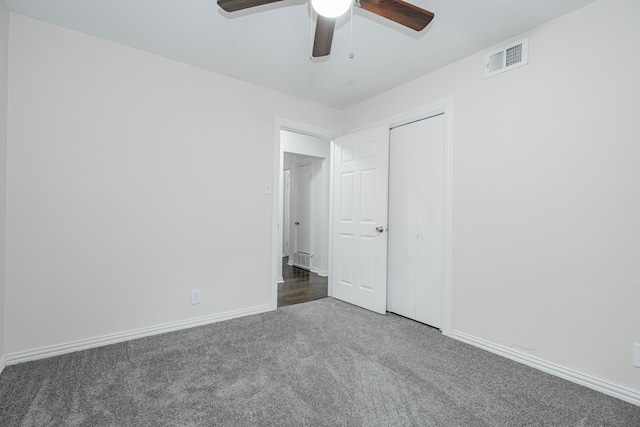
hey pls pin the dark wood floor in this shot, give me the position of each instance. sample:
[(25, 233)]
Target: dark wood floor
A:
[(299, 285)]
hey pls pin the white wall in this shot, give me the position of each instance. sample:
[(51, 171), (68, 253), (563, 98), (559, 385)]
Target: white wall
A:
[(123, 189), (4, 52), (546, 198)]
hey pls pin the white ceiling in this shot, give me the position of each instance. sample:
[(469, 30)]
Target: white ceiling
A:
[(270, 45)]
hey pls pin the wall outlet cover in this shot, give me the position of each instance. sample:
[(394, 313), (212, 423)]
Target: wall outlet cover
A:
[(195, 297), (636, 355)]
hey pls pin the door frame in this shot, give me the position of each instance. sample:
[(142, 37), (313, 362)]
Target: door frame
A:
[(445, 107), (286, 214), (277, 182)]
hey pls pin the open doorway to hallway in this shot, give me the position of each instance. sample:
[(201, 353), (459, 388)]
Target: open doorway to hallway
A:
[(304, 208)]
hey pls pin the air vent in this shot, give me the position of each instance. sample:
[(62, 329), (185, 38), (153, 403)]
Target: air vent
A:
[(301, 260), (506, 58)]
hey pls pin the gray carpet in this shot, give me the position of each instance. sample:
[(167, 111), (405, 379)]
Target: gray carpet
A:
[(318, 363)]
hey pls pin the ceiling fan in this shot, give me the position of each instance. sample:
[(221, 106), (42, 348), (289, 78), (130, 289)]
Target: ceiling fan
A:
[(398, 11)]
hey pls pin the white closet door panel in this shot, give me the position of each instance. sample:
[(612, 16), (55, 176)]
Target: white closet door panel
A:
[(430, 224), (416, 214), (402, 224)]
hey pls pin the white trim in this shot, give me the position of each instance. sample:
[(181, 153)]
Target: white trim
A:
[(444, 106), (330, 241), (321, 273), (85, 344), (447, 295), (280, 279), (301, 267), (3, 363), (551, 368)]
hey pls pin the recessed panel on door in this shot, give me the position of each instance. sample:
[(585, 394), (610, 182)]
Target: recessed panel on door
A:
[(347, 183), (347, 260), (368, 196), (367, 258)]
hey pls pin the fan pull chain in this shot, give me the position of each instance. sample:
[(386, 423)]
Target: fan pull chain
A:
[(351, 54)]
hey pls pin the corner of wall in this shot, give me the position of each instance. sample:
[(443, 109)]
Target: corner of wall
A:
[(4, 76)]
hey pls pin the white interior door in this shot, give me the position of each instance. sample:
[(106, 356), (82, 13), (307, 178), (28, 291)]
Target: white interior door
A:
[(416, 220), (359, 256), (303, 208)]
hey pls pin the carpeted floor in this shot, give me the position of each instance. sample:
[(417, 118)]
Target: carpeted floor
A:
[(322, 363)]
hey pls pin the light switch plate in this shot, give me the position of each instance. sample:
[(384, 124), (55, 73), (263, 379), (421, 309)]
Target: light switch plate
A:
[(267, 188), (636, 355)]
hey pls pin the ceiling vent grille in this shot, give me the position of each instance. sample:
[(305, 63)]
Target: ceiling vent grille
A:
[(506, 58)]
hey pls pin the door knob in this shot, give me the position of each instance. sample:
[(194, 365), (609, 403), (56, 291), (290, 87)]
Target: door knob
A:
[(379, 229), (296, 223)]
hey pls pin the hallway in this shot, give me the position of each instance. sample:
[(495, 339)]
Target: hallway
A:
[(300, 285)]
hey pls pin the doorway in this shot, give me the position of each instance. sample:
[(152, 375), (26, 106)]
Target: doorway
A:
[(303, 269)]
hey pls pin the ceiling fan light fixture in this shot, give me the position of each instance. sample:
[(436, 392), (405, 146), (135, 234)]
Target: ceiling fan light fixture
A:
[(331, 8)]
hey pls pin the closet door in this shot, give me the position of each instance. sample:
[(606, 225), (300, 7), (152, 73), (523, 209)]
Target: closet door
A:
[(416, 220), (404, 154)]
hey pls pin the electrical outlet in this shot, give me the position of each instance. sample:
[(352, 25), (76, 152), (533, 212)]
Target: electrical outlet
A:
[(195, 297), (636, 355)]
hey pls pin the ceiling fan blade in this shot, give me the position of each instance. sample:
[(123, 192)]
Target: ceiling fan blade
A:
[(323, 37), (399, 11), (235, 5)]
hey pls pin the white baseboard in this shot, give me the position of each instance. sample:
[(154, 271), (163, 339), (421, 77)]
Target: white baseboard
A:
[(3, 363), (280, 279), (321, 273), (550, 368), (85, 344)]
